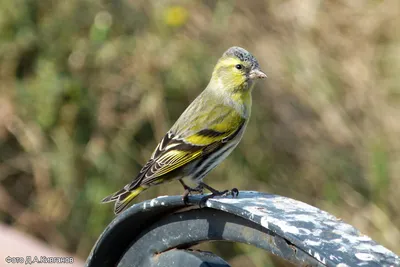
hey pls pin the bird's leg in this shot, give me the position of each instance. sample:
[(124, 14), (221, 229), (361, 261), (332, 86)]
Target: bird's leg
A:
[(234, 192), (198, 189), (188, 190)]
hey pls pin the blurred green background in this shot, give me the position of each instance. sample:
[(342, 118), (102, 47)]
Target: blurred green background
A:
[(88, 88)]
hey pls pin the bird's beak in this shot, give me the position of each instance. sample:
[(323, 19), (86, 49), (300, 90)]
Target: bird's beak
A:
[(257, 74)]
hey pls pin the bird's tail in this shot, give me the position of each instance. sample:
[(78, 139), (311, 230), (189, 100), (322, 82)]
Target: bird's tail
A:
[(122, 198)]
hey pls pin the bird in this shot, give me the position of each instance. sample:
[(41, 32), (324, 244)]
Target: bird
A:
[(205, 133)]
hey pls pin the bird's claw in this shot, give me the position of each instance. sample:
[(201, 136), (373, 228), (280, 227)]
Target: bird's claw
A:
[(185, 198), (234, 192), (189, 191)]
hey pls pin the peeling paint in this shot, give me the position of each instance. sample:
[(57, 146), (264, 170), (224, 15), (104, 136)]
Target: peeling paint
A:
[(326, 238), (319, 258), (316, 232), (285, 226), (152, 202), (312, 242), (364, 256), (264, 222)]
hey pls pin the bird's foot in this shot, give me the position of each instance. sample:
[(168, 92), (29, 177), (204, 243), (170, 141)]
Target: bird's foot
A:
[(234, 192), (189, 191)]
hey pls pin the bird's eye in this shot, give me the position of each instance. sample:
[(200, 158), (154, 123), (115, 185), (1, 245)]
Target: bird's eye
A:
[(239, 66)]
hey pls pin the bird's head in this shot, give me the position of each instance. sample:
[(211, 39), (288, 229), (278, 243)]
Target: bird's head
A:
[(237, 70)]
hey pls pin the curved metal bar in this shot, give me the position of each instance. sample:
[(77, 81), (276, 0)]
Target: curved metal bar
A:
[(320, 237), (187, 228), (323, 236)]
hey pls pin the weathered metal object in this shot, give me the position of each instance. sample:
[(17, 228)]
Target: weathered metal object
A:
[(158, 232)]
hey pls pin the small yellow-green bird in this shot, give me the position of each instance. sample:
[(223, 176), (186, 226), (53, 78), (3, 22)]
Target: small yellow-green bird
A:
[(205, 134)]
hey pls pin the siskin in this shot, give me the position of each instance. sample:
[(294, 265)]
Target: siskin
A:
[(204, 135)]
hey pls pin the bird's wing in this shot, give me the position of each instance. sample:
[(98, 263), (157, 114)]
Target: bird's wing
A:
[(179, 148)]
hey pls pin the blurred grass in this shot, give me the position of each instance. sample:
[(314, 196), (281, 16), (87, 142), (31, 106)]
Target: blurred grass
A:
[(88, 88)]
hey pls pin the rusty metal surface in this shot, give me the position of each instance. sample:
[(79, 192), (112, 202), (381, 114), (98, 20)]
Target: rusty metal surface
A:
[(291, 229)]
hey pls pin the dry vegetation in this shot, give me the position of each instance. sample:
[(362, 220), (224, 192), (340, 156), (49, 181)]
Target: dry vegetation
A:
[(88, 88)]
